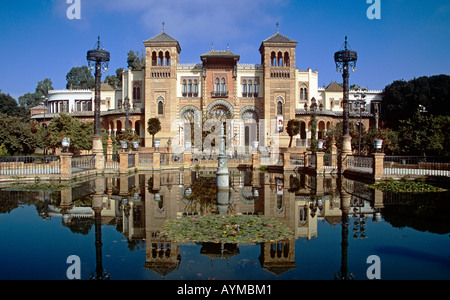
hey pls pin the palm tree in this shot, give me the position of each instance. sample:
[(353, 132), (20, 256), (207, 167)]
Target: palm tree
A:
[(292, 129)]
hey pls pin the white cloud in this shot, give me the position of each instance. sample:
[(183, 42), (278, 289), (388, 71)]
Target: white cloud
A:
[(218, 21)]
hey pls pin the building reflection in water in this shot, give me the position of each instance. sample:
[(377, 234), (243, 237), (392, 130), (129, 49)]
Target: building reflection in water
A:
[(139, 205)]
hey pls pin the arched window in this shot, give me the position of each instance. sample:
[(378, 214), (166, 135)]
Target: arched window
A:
[(286, 59), (280, 59), (136, 92), (217, 85), (161, 59), (154, 59), (195, 88), (190, 86), (167, 58), (223, 86), (184, 88), (256, 88), (244, 87), (251, 89), (160, 103), (273, 59), (279, 108)]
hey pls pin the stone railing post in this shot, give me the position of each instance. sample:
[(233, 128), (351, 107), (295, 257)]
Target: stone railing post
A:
[(378, 164), (255, 160), (156, 160), (187, 159), (66, 165), (286, 160), (319, 162), (123, 164)]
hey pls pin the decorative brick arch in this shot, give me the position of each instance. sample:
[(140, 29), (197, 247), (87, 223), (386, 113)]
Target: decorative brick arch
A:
[(249, 108), (224, 103)]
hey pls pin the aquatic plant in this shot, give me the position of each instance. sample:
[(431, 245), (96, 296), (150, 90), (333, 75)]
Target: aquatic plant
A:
[(225, 229)]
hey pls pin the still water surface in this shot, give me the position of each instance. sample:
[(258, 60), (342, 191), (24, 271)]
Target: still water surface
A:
[(111, 224)]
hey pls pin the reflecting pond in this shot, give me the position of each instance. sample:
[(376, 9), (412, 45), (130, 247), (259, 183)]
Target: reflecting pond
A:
[(113, 225)]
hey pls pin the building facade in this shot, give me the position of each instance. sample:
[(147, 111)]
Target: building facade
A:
[(255, 101)]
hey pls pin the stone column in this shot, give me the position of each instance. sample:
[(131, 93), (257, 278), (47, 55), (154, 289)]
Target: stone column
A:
[(123, 165), (319, 163), (156, 160), (66, 165), (378, 161)]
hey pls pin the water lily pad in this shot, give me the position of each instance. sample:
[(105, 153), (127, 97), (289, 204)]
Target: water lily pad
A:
[(226, 229)]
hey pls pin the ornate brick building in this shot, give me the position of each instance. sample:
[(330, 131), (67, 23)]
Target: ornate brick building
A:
[(220, 87)]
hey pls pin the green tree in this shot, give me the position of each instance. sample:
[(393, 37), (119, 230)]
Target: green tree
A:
[(18, 137), (8, 106), (153, 127), (115, 80), (292, 129), (135, 61), (30, 100), (402, 98), (422, 134), (80, 78), (80, 133)]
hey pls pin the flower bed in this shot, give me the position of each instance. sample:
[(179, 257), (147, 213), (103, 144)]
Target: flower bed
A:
[(225, 229)]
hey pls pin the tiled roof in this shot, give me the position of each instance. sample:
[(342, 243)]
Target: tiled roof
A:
[(163, 38), (334, 87), (279, 38)]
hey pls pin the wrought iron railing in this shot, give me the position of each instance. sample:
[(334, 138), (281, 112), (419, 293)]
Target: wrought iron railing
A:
[(330, 161), (83, 163), (131, 160), (146, 159), (297, 159), (30, 165), (112, 161), (417, 165), (360, 163)]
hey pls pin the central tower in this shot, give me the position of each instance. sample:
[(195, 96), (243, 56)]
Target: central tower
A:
[(278, 61), (162, 57)]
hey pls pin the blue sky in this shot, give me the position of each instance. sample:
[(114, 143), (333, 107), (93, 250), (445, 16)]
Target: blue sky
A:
[(411, 39)]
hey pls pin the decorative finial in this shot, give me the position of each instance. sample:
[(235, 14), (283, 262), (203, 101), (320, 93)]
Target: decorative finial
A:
[(345, 42), (163, 23), (228, 47), (277, 26), (212, 46)]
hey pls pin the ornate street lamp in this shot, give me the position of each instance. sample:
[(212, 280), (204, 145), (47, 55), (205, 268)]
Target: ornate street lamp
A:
[(98, 58), (360, 96), (313, 110), (344, 60), (126, 107)]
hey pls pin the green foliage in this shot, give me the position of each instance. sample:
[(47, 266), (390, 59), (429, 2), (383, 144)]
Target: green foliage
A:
[(115, 80), (3, 150), (129, 136), (402, 98), (30, 100), (292, 129), (153, 127), (389, 137), (18, 137), (135, 61), (80, 133), (424, 134), (80, 78), (226, 229), (8, 106), (404, 186)]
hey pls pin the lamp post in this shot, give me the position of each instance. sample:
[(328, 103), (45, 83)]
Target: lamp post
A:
[(360, 96), (313, 110), (98, 58), (126, 107), (344, 59)]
